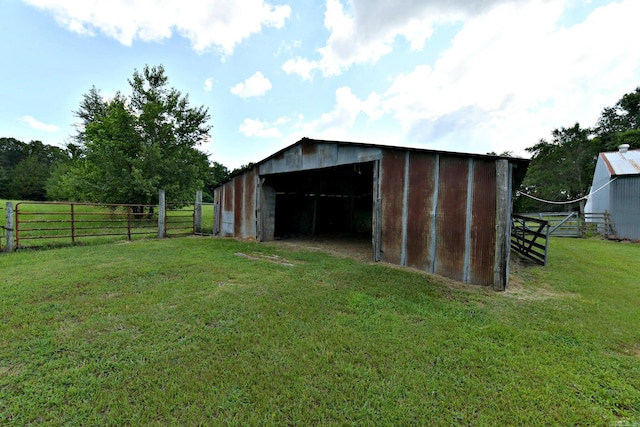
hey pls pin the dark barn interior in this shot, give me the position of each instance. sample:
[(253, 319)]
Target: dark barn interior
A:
[(336, 200)]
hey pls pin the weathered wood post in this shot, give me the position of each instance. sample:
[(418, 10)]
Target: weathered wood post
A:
[(197, 214), (582, 222), (9, 228), (161, 215), (503, 226)]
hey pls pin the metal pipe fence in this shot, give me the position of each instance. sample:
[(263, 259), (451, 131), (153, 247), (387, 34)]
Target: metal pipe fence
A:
[(70, 222), (37, 224)]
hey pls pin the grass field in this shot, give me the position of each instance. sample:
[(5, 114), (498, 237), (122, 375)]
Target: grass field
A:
[(202, 331)]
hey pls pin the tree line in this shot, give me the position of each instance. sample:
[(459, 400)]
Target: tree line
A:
[(124, 150), (562, 167)]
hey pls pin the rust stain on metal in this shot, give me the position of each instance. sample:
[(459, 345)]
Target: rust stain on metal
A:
[(237, 205), (483, 222), (249, 204), (228, 196), (451, 217), (309, 148), (391, 185), (422, 169)]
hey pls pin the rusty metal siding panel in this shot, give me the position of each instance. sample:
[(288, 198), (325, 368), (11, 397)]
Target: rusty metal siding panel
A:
[(237, 205), (392, 182), (328, 155), (451, 216), (249, 206), (316, 155), (625, 207), (309, 148), (422, 168), (227, 209), (293, 158), (483, 223)]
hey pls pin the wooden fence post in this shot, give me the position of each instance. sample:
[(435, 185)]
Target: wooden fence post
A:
[(502, 226), (197, 214), (9, 228), (161, 215)]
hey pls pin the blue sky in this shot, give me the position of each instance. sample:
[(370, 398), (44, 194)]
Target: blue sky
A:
[(457, 75)]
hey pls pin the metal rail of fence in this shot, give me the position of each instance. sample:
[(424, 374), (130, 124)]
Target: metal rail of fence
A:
[(71, 222), (575, 224), (530, 238), (178, 220)]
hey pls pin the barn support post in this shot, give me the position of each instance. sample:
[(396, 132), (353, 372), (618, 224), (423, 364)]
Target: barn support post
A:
[(503, 226), (162, 231), (433, 243), (376, 221), (258, 205), (268, 213), (405, 210), (197, 213), (9, 228), (468, 220)]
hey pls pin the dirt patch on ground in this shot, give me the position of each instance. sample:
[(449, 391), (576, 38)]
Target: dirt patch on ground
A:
[(355, 247), (360, 249), (274, 259), (520, 290)]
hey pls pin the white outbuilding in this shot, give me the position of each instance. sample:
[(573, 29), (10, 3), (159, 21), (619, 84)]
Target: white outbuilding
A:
[(616, 189)]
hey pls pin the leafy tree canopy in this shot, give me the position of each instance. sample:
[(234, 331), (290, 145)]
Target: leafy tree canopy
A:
[(620, 124), (129, 147), (562, 169), (25, 168)]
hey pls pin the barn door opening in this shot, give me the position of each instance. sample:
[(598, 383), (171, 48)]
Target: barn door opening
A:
[(330, 203)]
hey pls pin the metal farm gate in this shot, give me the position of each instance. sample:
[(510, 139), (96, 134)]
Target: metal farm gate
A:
[(530, 238), (35, 224)]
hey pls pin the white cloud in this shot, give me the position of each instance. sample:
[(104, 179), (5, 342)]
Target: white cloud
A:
[(337, 123), (256, 85), (251, 127), (208, 84), (36, 124), (301, 66), (369, 29), (513, 74), (218, 24)]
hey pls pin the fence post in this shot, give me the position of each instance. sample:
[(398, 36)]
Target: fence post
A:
[(197, 214), (161, 215), (9, 228)]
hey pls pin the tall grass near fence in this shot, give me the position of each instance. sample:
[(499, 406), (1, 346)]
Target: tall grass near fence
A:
[(202, 331)]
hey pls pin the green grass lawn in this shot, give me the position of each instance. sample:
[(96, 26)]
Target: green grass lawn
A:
[(202, 331)]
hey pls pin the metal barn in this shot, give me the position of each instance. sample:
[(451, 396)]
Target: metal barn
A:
[(442, 212), (616, 189)]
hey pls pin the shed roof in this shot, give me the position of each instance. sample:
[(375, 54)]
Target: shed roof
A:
[(518, 173), (620, 164)]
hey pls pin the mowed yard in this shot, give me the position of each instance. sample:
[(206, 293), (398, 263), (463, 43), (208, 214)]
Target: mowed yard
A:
[(203, 331)]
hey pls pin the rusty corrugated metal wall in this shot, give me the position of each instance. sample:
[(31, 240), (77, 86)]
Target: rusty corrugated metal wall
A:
[(444, 213), (439, 214), (236, 202)]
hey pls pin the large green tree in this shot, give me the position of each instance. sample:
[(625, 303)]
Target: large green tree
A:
[(620, 124), (129, 147), (561, 169)]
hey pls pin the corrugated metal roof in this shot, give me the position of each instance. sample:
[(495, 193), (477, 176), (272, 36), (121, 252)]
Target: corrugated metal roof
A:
[(352, 151), (622, 163)]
